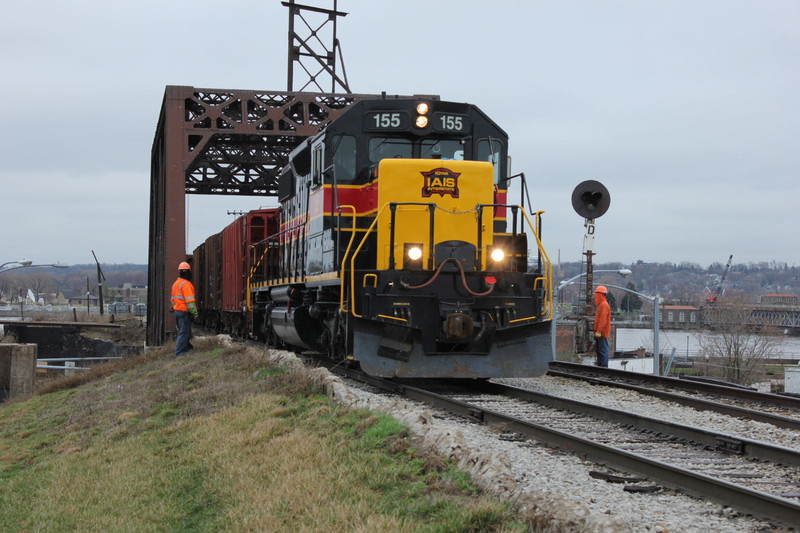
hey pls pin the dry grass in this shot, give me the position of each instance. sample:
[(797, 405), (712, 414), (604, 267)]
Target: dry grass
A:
[(220, 440)]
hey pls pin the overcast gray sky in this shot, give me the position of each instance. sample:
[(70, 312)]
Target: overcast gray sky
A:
[(687, 110)]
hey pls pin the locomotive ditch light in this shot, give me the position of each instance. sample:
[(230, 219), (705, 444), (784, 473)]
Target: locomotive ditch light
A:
[(412, 256), (497, 255)]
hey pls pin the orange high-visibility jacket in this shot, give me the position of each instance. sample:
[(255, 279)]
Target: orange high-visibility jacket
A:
[(602, 318), (182, 295)]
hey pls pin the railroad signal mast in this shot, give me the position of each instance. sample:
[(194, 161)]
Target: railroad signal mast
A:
[(591, 200)]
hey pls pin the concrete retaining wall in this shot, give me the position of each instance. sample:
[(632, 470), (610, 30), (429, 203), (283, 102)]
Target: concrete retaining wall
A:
[(17, 368)]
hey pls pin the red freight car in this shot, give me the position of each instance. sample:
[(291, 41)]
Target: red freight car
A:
[(221, 271)]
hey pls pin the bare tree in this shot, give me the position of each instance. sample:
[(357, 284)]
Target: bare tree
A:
[(39, 283), (735, 351), (6, 287)]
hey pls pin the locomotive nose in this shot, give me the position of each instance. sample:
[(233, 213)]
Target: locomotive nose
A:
[(459, 326)]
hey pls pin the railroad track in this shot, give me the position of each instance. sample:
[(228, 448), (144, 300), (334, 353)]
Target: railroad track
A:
[(775, 409), (754, 477)]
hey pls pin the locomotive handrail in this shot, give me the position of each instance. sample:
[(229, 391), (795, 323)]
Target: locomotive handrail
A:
[(274, 240), (431, 213), (344, 257), (392, 206), (546, 280), (256, 262), (353, 260), (547, 265)]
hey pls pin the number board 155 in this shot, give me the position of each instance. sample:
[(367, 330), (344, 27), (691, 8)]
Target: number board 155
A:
[(451, 123), (386, 120)]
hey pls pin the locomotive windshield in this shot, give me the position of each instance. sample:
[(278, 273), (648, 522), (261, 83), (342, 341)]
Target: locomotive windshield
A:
[(442, 149), (344, 158), (373, 130), (389, 148)]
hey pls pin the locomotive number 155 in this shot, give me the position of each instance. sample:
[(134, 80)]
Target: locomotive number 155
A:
[(450, 123), (386, 120)]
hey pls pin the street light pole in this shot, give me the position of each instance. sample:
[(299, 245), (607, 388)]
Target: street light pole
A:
[(624, 272), (23, 263), (27, 264)]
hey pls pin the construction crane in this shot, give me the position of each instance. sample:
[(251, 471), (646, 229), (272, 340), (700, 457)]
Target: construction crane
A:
[(714, 295)]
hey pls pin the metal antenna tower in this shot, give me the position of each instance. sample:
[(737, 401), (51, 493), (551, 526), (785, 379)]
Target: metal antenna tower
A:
[(314, 47)]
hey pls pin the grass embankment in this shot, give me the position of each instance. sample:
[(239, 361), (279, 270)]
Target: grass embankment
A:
[(221, 440)]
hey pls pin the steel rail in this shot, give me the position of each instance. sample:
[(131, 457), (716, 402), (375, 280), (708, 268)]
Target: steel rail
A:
[(696, 403), (720, 441), (688, 384), (748, 500)]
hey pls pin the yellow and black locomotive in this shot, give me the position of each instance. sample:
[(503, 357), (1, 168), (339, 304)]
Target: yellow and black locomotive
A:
[(397, 249)]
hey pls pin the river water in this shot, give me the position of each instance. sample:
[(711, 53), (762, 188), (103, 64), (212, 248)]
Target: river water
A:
[(688, 342)]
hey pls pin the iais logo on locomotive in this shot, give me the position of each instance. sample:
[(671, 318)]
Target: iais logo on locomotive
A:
[(440, 181)]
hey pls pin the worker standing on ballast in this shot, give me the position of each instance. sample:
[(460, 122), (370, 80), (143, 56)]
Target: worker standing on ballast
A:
[(602, 325), (183, 304)]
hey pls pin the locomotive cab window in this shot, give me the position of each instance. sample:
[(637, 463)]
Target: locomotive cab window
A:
[(442, 149), (344, 158), (388, 147), (491, 150), (317, 165)]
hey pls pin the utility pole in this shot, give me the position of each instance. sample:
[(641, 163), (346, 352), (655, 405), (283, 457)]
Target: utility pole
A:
[(100, 279)]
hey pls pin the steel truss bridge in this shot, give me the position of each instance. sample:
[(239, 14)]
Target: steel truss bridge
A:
[(775, 316), (234, 142)]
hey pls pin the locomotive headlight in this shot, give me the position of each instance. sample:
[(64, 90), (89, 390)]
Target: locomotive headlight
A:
[(412, 256), (422, 111), (415, 253), (497, 255)]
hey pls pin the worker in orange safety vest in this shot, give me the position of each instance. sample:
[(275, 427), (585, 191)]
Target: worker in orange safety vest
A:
[(183, 304), (602, 325)]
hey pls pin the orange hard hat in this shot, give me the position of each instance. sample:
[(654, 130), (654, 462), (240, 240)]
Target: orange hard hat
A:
[(601, 289), (184, 266)]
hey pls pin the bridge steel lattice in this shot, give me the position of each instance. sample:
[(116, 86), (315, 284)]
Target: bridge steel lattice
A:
[(786, 317), (218, 141), (234, 142)]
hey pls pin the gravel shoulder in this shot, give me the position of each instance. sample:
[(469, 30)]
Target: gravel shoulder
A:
[(559, 485)]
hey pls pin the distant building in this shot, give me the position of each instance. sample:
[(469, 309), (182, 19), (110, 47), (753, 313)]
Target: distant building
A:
[(61, 299), (128, 293), (81, 301), (680, 317)]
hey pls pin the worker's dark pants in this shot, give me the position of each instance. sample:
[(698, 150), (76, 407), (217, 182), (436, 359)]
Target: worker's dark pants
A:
[(183, 319), (601, 345)]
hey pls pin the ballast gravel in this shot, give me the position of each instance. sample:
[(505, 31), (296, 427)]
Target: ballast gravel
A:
[(556, 485)]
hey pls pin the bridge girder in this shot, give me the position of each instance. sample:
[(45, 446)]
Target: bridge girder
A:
[(219, 141)]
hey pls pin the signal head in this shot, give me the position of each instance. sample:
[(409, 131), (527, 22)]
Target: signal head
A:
[(591, 199)]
